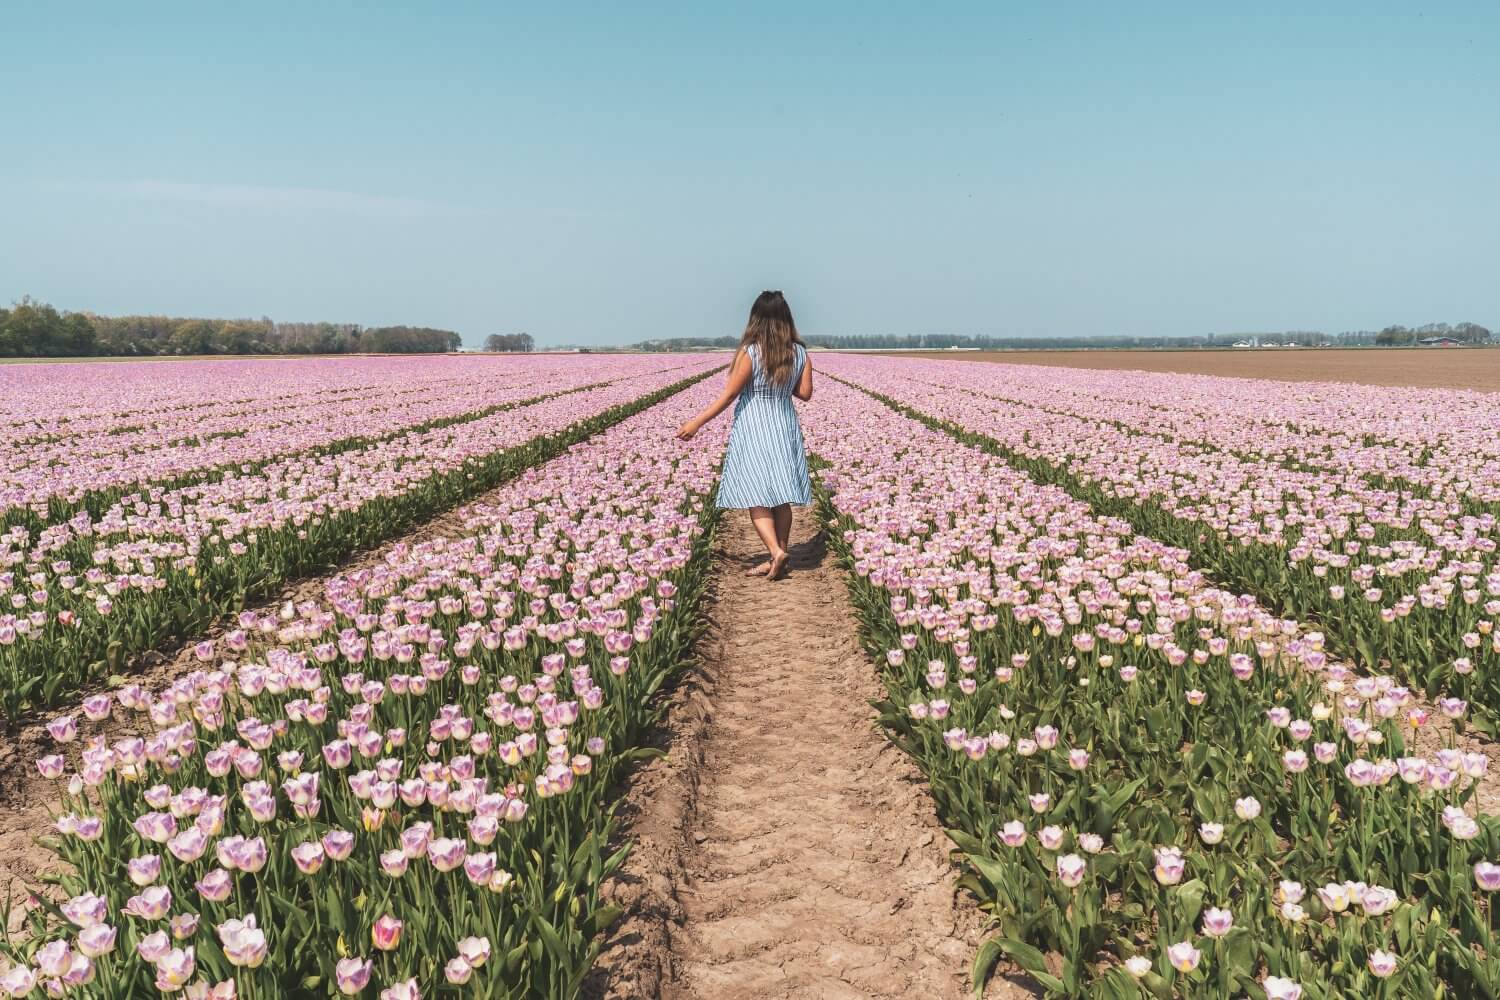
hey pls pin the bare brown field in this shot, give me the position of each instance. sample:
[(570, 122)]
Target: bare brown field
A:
[(1427, 368)]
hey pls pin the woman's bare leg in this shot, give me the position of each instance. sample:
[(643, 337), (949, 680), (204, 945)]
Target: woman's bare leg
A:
[(765, 526), (780, 518), (783, 516)]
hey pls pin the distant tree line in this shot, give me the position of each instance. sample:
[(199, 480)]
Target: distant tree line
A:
[(509, 343), (31, 329), (1464, 333), (1468, 333)]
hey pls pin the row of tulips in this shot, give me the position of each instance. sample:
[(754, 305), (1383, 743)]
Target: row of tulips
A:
[(95, 449), (1399, 578), (1432, 441), (399, 790), (89, 402), (84, 595), (1160, 787)]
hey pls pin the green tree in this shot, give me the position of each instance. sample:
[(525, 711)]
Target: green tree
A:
[(192, 336), (504, 342), (239, 337), (33, 329), (76, 336)]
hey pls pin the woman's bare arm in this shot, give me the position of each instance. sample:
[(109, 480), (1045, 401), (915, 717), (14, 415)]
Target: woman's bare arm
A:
[(739, 377), (804, 384)]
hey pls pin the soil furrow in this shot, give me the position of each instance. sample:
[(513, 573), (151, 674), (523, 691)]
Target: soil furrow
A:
[(783, 847)]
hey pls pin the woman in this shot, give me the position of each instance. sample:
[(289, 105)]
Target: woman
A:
[(765, 468)]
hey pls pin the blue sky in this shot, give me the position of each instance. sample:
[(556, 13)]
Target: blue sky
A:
[(604, 173)]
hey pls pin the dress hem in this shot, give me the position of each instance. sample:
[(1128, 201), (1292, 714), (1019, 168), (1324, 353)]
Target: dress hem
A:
[(795, 502)]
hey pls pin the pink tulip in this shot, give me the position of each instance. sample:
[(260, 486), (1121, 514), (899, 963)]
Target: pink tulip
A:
[(1334, 897), (338, 844), (1217, 922), (18, 980), (154, 946), (1487, 876), (352, 975), (405, 990), (1170, 866), (175, 969), (458, 971), (53, 958), (1071, 869), (86, 910), (153, 903), (97, 940), (1278, 988), (308, 857), (216, 885), (1183, 956), (144, 870), (63, 729), (385, 933), (1378, 900), (244, 944), (474, 950)]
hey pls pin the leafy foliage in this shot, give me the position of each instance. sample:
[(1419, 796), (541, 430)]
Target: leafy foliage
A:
[(35, 330)]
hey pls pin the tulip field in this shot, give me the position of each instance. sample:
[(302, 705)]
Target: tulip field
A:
[(400, 784), (1185, 662), (1135, 761), (129, 527)]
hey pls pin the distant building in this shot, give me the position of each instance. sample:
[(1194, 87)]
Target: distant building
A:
[(1439, 342)]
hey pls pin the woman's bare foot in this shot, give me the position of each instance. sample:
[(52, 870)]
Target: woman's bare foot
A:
[(777, 567), (759, 569)]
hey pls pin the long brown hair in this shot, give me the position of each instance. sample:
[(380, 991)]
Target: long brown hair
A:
[(772, 330)]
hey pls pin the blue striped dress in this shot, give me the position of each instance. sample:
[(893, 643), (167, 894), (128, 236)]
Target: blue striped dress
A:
[(766, 464)]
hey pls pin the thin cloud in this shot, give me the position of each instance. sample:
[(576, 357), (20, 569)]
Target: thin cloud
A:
[(265, 198)]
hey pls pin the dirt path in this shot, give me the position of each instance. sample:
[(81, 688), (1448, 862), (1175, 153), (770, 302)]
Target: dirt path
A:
[(784, 848)]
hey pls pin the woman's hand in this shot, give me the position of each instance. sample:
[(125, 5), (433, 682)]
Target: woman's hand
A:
[(739, 377)]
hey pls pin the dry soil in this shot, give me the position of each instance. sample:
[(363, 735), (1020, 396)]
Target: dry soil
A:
[(784, 848), (1429, 368)]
